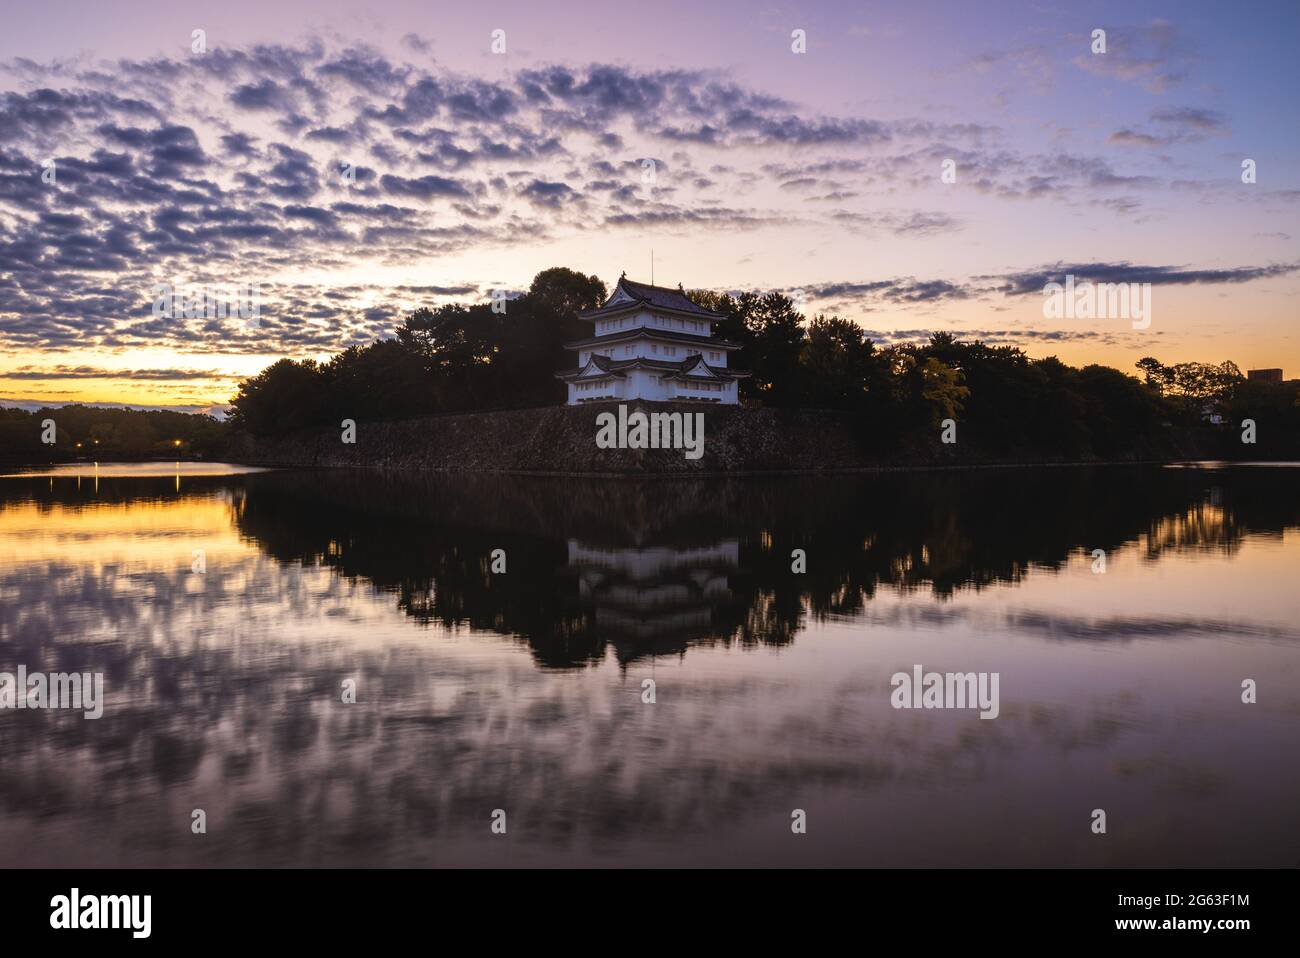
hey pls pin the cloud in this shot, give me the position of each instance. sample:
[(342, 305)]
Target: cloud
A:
[(219, 410), (909, 291), (906, 291), (1033, 281), (549, 194), (95, 372), (1191, 117), (424, 187), (253, 164), (1174, 125), (1135, 138), (1157, 57), (263, 95), (913, 223), (1017, 336)]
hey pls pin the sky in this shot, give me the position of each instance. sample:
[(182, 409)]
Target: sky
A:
[(354, 161)]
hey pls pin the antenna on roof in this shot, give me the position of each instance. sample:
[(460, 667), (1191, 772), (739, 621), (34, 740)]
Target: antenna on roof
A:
[(652, 266)]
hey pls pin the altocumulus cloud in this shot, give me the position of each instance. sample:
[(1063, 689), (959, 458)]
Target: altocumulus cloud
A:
[(251, 165)]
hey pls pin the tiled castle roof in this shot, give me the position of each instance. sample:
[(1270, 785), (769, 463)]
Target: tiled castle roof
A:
[(629, 295), (678, 369), (649, 332)]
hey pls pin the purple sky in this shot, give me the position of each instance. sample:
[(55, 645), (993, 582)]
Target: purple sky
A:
[(816, 172)]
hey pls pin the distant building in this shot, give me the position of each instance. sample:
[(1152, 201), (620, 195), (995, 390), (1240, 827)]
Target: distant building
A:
[(651, 342), (1265, 375)]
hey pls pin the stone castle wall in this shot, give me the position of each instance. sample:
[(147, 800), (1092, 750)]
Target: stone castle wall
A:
[(562, 440)]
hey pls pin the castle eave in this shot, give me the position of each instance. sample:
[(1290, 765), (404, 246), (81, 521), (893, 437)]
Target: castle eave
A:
[(648, 332)]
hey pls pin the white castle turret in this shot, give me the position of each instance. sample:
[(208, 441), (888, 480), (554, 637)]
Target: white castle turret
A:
[(652, 343)]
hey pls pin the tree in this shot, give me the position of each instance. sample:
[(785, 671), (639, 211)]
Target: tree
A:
[(466, 356), (837, 364), (479, 358), (286, 396), (536, 327), (942, 390), (106, 433), (1158, 376), (380, 381), (1203, 388), (1120, 413), (559, 293), (776, 338)]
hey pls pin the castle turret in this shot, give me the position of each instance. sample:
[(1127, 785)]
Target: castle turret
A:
[(651, 342)]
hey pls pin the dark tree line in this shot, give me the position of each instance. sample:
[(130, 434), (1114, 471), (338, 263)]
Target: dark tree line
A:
[(92, 432), (469, 357), (1199, 390), (460, 357), (451, 359)]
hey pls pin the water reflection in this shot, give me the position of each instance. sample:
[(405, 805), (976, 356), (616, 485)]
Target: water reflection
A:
[(579, 543), (523, 690), (658, 598)]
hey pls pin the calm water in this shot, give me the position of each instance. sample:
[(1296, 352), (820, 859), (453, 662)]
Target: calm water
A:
[(523, 691)]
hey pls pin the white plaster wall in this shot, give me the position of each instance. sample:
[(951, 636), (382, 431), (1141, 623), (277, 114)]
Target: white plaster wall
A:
[(652, 320), (657, 349)]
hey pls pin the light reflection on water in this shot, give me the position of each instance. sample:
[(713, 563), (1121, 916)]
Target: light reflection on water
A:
[(523, 691), (143, 470)]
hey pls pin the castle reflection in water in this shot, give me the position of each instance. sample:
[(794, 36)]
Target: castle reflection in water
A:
[(479, 690), (657, 596)]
